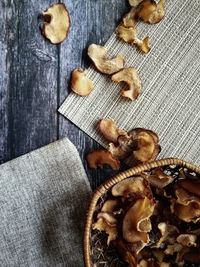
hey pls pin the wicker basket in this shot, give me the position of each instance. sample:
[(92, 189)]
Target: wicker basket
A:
[(171, 164)]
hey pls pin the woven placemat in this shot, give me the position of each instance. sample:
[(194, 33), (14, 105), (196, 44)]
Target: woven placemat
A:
[(170, 74)]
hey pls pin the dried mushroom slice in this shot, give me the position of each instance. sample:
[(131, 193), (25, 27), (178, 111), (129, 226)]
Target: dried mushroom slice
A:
[(80, 84), (110, 205), (136, 223), (189, 213), (184, 197), (136, 186), (57, 23), (174, 248), (151, 12), (109, 130), (98, 158), (98, 55), (187, 240), (134, 3), (191, 185), (129, 19), (129, 35), (159, 179), (131, 77)]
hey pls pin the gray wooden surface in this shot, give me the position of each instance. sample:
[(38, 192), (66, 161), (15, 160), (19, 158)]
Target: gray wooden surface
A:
[(35, 75)]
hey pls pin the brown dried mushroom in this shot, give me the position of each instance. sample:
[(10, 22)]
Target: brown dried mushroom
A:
[(134, 3), (98, 55), (129, 19), (80, 84), (151, 12), (109, 130), (57, 23), (129, 35), (159, 179), (98, 158), (131, 77)]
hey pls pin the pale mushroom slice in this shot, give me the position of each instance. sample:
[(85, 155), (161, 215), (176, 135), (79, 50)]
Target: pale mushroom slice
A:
[(187, 240), (109, 130), (159, 179), (129, 19), (57, 24), (131, 77), (98, 55), (98, 158), (80, 84), (133, 185), (134, 3), (136, 222), (184, 197), (110, 205), (151, 12), (129, 35)]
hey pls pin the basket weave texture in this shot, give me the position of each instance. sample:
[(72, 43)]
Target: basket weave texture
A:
[(103, 189)]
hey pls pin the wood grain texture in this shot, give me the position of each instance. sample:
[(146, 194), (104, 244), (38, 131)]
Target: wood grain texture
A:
[(35, 75)]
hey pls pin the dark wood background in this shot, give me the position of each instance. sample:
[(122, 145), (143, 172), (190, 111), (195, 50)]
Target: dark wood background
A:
[(35, 75)]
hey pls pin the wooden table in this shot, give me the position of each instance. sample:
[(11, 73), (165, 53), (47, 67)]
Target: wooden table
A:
[(35, 75)]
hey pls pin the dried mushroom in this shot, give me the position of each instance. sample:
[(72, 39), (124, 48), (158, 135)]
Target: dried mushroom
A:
[(187, 240), (98, 55), (129, 35), (151, 12), (109, 130), (189, 213), (129, 19), (80, 84), (159, 179), (131, 77), (134, 3), (57, 23), (98, 158)]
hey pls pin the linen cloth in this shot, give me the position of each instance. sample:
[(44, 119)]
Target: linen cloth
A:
[(44, 196), (170, 74)]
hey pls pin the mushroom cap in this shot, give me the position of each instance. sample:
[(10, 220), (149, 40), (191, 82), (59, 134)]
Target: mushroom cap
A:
[(80, 84), (159, 179), (57, 29), (98, 55), (187, 240)]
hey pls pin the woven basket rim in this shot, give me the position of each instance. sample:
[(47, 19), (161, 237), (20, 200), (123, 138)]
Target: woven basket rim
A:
[(119, 177)]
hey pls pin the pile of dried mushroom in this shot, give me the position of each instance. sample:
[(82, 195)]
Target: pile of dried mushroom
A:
[(153, 219)]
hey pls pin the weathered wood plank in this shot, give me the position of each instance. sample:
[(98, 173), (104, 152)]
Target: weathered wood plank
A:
[(28, 80), (92, 22)]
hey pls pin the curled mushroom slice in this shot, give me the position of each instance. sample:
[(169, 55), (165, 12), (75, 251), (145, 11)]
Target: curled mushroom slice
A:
[(98, 55), (110, 205), (57, 23), (187, 240), (136, 222), (131, 77), (109, 130), (133, 185), (129, 35), (134, 2), (185, 198), (100, 157), (151, 12), (189, 213), (80, 84), (159, 178), (124, 148), (168, 233), (129, 19), (171, 249), (110, 229), (191, 185)]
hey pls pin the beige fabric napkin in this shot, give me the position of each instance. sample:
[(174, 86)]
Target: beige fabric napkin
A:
[(170, 74), (44, 196)]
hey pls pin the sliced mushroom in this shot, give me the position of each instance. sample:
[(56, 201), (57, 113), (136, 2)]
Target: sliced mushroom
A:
[(100, 157), (174, 248), (131, 77), (134, 3), (80, 84), (168, 233), (129, 19), (109, 130), (57, 23), (98, 55), (189, 213), (136, 222), (159, 179), (110, 229), (129, 35), (124, 148), (187, 240), (133, 185), (110, 205), (191, 185), (185, 198), (151, 12)]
